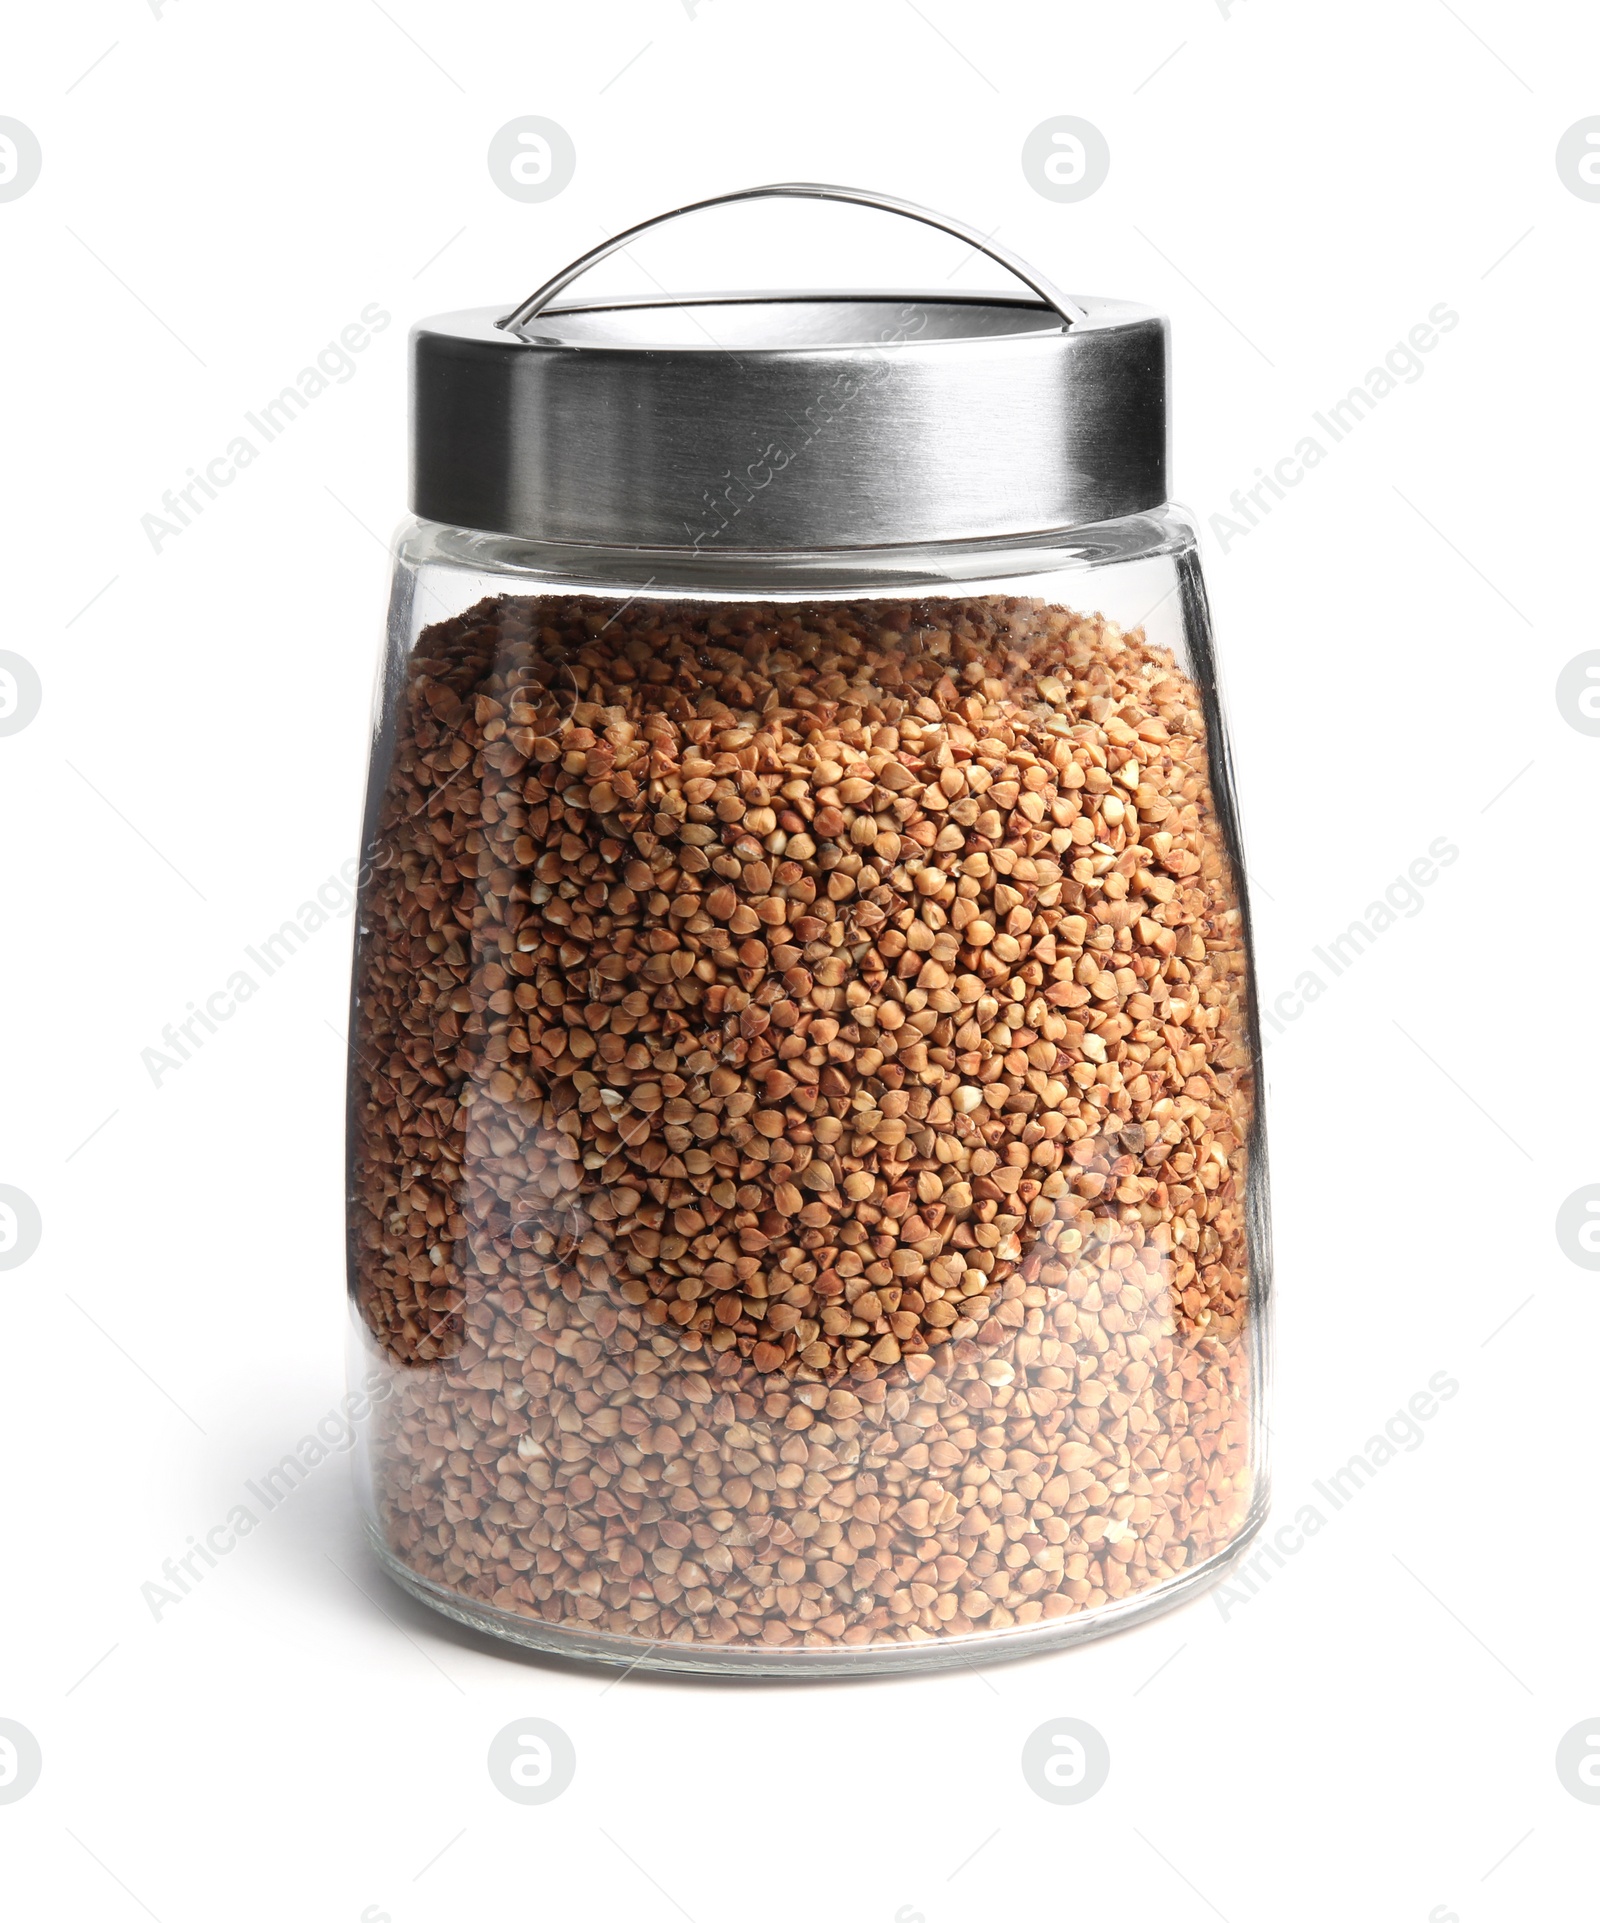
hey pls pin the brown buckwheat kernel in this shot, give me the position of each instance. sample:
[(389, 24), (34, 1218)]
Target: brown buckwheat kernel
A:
[(801, 1101)]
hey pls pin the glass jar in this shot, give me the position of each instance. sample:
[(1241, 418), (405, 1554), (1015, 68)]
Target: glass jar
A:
[(807, 1195)]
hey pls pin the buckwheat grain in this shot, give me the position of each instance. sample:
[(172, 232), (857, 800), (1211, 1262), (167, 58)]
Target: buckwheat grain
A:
[(802, 1094)]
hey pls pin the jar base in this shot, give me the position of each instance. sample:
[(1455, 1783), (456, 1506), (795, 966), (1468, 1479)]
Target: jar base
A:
[(804, 1665)]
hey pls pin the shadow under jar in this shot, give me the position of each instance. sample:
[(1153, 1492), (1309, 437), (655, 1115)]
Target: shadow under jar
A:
[(806, 1191)]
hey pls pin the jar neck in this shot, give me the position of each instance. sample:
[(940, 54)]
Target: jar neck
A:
[(709, 569)]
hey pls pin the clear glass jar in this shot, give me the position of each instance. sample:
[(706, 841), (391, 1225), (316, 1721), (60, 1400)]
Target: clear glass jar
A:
[(807, 1195)]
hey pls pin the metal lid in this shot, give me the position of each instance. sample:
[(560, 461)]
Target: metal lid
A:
[(789, 420)]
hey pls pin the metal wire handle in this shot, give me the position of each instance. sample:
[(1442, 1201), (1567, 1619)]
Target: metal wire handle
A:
[(517, 320)]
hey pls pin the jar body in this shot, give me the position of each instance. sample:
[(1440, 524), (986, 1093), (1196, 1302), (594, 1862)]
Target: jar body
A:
[(807, 1195)]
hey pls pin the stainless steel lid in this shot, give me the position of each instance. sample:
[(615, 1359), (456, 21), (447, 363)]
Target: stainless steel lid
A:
[(791, 420)]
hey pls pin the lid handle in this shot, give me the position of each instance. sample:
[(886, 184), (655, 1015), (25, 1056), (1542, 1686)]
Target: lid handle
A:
[(517, 321)]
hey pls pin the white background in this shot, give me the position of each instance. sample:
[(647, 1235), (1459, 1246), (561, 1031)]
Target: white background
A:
[(1374, 1733)]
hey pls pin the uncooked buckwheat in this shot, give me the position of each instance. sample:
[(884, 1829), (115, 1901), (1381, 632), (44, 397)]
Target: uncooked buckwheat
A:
[(800, 1115)]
